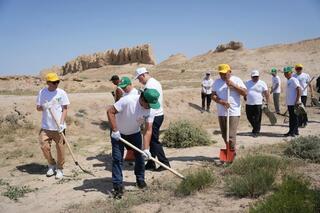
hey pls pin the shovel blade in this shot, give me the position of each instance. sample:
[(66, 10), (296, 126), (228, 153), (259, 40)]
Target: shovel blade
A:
[(223, 155), (230, 155), (130, 156)]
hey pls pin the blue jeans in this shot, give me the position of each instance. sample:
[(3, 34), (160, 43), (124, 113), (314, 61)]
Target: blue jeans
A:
[(117, 158)]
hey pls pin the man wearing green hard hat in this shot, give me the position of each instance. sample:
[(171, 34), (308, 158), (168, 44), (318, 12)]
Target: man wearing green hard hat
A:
[(292, 100), (276, 90), (125, 117)]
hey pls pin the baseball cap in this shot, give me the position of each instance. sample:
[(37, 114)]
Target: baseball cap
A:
[(273, 70), (151, 96), (287, 69), (52, 77), (140, 71), (223, 68), (125, 81), (254, 73), (114, 77)]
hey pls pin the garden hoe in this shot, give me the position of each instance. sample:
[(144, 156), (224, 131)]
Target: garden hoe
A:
[(227, 155), (68, 145), (153, 159)]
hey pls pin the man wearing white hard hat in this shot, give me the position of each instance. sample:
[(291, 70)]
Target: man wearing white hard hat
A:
[(257, 89), (156, 148), (57, 101)]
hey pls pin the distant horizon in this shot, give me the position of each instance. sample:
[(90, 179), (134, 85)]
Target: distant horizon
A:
[(38, 34)]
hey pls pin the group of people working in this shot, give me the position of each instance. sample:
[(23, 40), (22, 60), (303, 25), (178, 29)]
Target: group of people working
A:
[(133, 109)]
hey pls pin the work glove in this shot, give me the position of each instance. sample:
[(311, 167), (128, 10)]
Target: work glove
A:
[(146, 154), (47, 105), (116, 135), (61, 128)]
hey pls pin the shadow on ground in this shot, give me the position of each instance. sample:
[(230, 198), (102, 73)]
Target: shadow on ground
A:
[(195, 106), (103, 185), (33, 168), (262, 134), (103, 125)]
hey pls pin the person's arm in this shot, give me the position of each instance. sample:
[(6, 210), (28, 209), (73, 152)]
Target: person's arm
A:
[(39, 108), (298, 95), (147, 135), (111, 113), (118, 94), (266, 94), (242, 91), (311, 90), (216, 99), (275, 88), (64, 114)]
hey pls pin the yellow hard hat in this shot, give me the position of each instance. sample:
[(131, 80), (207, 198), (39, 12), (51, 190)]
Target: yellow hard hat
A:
[(299, 65), (223, 68), (52, 76)]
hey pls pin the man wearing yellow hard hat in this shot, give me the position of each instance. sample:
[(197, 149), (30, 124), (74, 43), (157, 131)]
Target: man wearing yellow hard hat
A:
[(304, 79), (231, 103), (54, 99)]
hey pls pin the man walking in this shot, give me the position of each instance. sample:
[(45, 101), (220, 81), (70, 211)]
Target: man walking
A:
[(276, 89), (54, 99), (256, 89), (219, 95), (125, 117), (292, 100), (206, 91), (304, 80), (156, 148)]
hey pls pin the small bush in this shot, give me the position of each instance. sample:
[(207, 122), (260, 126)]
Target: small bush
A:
[(293, 195), (184, 134), (15, 192), (195, 181), (252, 175), (307, 148)]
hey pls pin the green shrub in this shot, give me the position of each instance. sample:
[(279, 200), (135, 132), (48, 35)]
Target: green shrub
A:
[(195, 181), (183, 134), (15, 192), (293, 195), (307, 148), (252, 175)]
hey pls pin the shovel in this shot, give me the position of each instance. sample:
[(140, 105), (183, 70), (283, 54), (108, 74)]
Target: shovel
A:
[(227, 154), (153, 159), (68, 145)]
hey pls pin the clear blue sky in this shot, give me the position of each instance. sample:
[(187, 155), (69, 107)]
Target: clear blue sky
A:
[(36, 34)]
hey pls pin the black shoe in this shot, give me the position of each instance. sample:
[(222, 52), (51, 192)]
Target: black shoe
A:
[(150, 166), (117, 192), (289, 135), (297, 133), (161, 168), (255, 135), (141, 184)]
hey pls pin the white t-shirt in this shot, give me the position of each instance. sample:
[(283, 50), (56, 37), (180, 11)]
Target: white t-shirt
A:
[(276, 80), (57, 98), (134, 91), (303, 79), (220, 87), (292, 85), (255, 92), (206, 86), (154, 84), (131, 114)]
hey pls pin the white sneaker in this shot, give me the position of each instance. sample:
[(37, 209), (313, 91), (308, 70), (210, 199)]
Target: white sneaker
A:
[(59, 174), (51, 170)]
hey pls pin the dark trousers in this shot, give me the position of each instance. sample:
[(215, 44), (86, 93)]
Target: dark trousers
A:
[(205, 97), (156, 148), (117, 158), (303, 119), (293, 121), (254, 114)]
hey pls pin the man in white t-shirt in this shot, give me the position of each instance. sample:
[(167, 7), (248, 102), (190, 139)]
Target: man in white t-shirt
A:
[(219, 95), (125, 118), (293, 94), (118, 93), (156, 148), (276, 89), (206, 91), (126, 86), (304, 79), (57, 100), (256, 90)]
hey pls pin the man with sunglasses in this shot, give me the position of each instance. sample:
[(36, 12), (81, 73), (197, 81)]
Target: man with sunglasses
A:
[(125, 117), (256, 90), (156, 148), (57, 101), (303, 79)]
